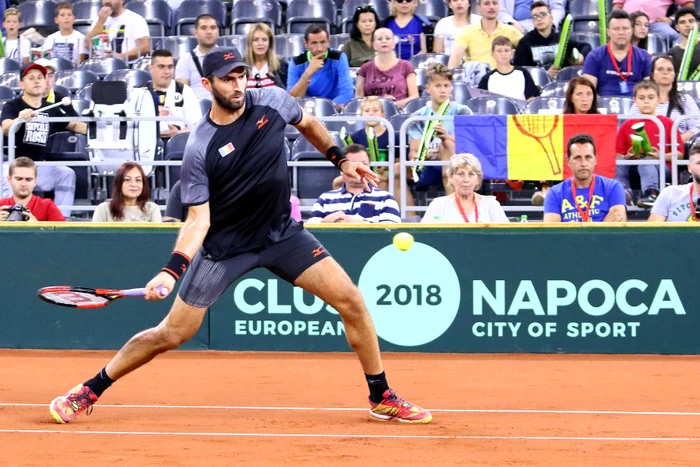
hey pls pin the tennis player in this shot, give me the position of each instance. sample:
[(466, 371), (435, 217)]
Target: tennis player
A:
[(235, 183)]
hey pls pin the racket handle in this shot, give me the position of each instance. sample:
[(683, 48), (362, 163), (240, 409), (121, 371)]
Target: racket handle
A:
[(142, 291)]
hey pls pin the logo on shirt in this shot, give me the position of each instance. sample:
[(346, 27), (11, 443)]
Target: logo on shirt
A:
[(36, 132), (262, 122), (226, 150)]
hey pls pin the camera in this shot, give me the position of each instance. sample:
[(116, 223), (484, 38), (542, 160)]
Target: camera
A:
[(16, 213)]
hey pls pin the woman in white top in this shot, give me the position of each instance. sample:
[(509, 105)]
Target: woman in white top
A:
[(447, 28), (464, 205), (130, 195)]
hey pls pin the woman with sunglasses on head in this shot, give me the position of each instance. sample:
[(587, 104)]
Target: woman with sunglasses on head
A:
[(266, 69), (387, 76), (410, 29), (672, 104), (447, 28), (359, 48)]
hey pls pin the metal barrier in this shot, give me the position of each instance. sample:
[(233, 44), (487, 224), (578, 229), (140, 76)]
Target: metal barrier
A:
[(674, 142), (404, 162)]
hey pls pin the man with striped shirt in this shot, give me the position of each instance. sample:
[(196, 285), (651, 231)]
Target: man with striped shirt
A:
[(352, 203)]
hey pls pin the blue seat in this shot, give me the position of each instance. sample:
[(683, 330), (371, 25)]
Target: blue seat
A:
[(132, 78), (416, 104), (157, 14), (143, 63), (616, 105), (592, 39), (104, 66), (85, 92), (38, 14), (62, 90), (80, 105), (656, 44), (434, 10), (555, 89), (302, 13), (11, 80), (312, 181), (84, 12), (61, 64), (425, 60), (493, 106), (6, 93), (353, 107), (239, 41), (289, 45), (68, 146), (7, 65), (546, 104), (188, 11), (338, 41), (177, 45), (75, 79), (247, 13), (567, 73), (174, 150), (539, 75)]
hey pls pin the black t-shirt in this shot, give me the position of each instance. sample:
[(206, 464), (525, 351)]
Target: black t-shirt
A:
[(677, 54), (360, 137), (537, 50), (31, 137), (241, 170)]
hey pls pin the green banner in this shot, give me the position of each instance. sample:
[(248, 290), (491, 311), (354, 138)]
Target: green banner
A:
[(475, 289)]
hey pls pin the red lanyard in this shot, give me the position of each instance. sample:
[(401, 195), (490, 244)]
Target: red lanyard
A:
[(692, 205), (585, 216), (464, 214), (617, 68)]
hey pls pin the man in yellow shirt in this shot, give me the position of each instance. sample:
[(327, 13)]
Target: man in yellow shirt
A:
[(473, 43)]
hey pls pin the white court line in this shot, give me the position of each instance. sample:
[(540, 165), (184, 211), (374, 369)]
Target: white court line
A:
[(360, 436), (355, 409)]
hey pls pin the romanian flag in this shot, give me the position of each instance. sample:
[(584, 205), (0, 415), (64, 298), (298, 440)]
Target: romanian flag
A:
[(533, 147)]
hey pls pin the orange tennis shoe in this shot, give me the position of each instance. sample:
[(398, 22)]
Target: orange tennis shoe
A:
[(393, 407), (66, 408)]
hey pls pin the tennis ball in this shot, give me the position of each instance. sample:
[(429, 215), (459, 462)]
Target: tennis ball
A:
[(403, 241)]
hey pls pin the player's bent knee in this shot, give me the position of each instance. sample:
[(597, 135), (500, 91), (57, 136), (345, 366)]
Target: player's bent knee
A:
[(350, 303)]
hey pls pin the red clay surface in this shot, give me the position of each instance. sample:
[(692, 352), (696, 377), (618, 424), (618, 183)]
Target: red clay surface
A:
[(487, 410)]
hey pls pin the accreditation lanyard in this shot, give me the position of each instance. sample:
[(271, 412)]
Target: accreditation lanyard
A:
[(692, 205), (430, 131), (617, 67), (585, 216), (464, 214)]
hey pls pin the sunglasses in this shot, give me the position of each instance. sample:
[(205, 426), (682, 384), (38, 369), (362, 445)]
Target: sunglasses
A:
[(365, 9), (403, 1)]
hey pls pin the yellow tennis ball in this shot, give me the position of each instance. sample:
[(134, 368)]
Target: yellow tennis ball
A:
[(403, 241)]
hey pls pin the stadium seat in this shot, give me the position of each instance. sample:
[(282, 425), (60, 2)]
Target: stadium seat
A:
[(142, 63), (247, 13), (174, 150), (157, 14), (339, 40), (104, 66), (586, 26), (592, 39), (493, 106), (81, 104), (189, 10), (348, 11), (434, 10), (460, 93), (396, 121), (656, 44), (353, 107), (239, 41), (555, 89), (289, 45), (425, 60), (583, 9), (691, 88), (61, 89), (85, 11), (303, 13), (177, 45), (11, 80), (8, 65), (68, 146), (312, 181), (85, 92), (316, 106), (61, 64), (415, 104), (615, 105), (39, 15), (133, 78), (539, 75), (567, 73), (6, 93), (75, 79), (545, 104), (204, 105)]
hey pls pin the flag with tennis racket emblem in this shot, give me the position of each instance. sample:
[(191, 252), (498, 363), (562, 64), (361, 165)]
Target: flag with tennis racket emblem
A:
[(533, 147)]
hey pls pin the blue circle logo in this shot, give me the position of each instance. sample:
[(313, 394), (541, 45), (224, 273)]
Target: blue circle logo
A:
[(413, 296)]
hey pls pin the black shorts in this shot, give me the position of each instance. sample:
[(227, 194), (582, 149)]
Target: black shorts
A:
[(206, 280)]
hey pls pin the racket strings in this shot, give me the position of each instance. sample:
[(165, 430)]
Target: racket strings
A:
[(74, 298)]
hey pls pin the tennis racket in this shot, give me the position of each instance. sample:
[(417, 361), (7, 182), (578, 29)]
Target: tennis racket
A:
[(540, 128), (563, 41), (83, 297)]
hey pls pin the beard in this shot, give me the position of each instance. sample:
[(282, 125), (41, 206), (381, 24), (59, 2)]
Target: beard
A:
[(696, 178), (224, 102)]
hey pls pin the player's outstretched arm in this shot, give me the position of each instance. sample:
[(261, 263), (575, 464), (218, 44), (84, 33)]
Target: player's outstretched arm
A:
[(317, 134), (189, 241)]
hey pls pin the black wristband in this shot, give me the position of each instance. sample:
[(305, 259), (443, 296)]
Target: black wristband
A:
[(336, 156), (177, 264)]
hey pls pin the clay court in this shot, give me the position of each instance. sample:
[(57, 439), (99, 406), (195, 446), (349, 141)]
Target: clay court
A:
[(221, 408)]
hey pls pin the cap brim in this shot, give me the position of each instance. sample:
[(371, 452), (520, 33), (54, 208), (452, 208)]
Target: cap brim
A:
[(228, 68), (33, 66)]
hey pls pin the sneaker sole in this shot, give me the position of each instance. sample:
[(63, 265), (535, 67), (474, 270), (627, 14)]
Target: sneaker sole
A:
[(56, 416), (388, 418)]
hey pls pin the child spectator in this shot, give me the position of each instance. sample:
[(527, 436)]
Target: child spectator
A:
[(506, 79), (17, 48), (646, 97), (66, 42)]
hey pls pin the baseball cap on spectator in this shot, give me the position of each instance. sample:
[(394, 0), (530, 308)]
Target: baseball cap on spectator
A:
[(32, 66), (221, 60), (46, 63)]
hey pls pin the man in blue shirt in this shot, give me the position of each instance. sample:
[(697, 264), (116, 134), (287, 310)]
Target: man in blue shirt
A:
[(320, 71), (585, 197), (614, 68)]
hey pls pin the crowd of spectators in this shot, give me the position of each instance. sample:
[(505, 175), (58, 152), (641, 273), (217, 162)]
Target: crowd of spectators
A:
[(493, 45)]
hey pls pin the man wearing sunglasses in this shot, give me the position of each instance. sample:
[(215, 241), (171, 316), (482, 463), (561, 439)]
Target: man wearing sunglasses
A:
[(519, 14), (539, 46), (320, 71)]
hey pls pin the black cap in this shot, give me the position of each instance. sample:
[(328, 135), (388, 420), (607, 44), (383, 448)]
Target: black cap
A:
[(219, 61), (32, 66)]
